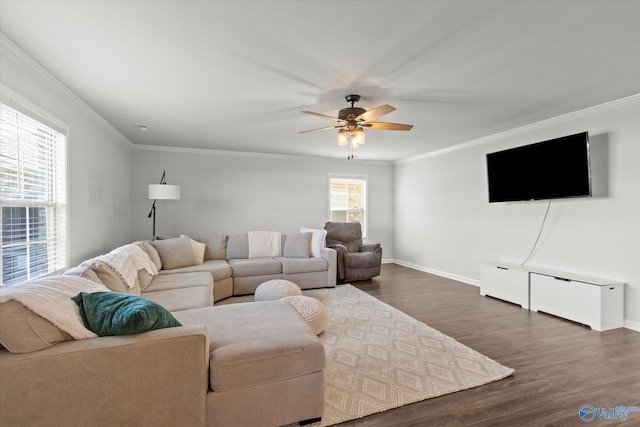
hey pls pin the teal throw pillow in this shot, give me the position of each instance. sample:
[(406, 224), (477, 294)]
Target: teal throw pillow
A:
[(116, 313)]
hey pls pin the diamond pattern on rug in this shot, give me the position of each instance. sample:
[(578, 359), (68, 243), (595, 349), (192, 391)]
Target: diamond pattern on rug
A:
[(379, 358)]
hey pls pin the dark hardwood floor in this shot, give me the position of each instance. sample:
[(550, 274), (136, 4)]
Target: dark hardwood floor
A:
[(559, 365)]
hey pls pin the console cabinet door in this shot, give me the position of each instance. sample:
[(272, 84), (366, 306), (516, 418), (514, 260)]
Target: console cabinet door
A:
[(506, 282), (599, 306)]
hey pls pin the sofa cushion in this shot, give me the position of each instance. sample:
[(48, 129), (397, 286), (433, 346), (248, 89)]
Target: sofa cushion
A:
[(303, 265), (297, 245), (23, 331), (255, 267), (238, 246), (219, 269), (216, 246), (116, 313), (162, 282), (256, 343), (175, 253), (182, 298)]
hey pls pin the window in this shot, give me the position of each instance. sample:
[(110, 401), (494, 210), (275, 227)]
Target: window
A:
[(33, 197), (348, 200)]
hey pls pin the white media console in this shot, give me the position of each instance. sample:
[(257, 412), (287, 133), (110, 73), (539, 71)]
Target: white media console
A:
[(592, 301)]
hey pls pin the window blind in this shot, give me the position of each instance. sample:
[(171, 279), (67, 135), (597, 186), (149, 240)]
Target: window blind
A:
[(33, 199)]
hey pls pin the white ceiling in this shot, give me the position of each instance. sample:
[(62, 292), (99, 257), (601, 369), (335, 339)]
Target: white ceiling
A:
[(234, 75)]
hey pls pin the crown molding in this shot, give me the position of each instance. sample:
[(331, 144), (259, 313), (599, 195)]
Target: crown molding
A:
[(629, 100), (10, 49), (229, 153)]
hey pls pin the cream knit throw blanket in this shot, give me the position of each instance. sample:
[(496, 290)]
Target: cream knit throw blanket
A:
[(50, 298), (127, 260)]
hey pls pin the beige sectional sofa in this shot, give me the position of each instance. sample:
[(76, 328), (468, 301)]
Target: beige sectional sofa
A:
[(226, 258), (255, 364)]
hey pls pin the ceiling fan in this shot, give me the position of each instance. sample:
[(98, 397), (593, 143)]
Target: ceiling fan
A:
[(352, 121)]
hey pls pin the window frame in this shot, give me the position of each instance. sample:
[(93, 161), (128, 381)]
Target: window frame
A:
[(61, 205), (365, 196)]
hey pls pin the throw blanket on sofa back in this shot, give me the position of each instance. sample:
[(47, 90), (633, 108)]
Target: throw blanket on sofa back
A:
[(264, 244)]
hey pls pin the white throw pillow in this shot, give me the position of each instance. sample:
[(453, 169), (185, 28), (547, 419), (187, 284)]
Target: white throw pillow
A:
[(318, 240)]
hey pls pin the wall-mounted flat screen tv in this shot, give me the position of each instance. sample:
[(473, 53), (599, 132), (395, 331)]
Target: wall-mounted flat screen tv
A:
[(552, 169)]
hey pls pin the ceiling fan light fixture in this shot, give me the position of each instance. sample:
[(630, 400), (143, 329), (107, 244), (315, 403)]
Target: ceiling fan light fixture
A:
[(359, 135), (342, 137)]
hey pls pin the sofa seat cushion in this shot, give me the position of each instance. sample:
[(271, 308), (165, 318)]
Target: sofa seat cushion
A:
[(362, 260), (182, 298), (303, 265), (256, 343), (162, 282), (255, 267), (219, 269)]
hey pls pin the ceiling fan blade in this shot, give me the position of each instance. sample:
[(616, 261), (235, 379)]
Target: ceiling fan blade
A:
[(325, 128), (376, 112), (322, 116), (388, 126)]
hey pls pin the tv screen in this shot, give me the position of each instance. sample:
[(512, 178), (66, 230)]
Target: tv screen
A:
[(551, 169)]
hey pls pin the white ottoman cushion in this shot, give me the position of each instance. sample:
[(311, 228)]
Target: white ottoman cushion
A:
[(311, 310), (276, 289)]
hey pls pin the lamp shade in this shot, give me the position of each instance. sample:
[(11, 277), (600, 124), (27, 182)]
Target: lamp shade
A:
[(164, 192)]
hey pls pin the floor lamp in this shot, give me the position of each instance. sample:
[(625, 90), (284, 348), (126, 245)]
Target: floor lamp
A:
[(161, 191)]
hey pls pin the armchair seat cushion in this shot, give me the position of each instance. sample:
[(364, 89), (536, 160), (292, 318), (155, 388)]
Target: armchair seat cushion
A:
[(362, 260)]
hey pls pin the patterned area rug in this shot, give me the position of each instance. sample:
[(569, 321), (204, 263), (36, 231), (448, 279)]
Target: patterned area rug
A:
[(379, 358)]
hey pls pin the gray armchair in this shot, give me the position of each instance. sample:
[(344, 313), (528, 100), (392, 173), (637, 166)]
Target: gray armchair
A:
[(356, 261)]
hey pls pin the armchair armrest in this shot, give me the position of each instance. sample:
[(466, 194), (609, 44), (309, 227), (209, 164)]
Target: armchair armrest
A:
[(155, 378), (371, 247)]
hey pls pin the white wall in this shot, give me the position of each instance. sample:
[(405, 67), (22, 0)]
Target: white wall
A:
[(98, 157), (444, 223), (235, 193)]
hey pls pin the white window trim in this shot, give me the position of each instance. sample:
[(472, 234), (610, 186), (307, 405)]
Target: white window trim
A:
[(362, 177), (24, 106)]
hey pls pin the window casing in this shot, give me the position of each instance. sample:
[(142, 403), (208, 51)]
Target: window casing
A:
[(348, 200), (33, 199)]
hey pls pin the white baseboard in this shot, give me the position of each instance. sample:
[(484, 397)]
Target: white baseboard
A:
[(630, 324), (456, 277)]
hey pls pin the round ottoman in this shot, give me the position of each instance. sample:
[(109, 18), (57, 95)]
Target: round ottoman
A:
[(311, 310), (275, 290)]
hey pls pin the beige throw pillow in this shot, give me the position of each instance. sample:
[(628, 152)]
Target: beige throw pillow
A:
[(198, 249), (175, 253)]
